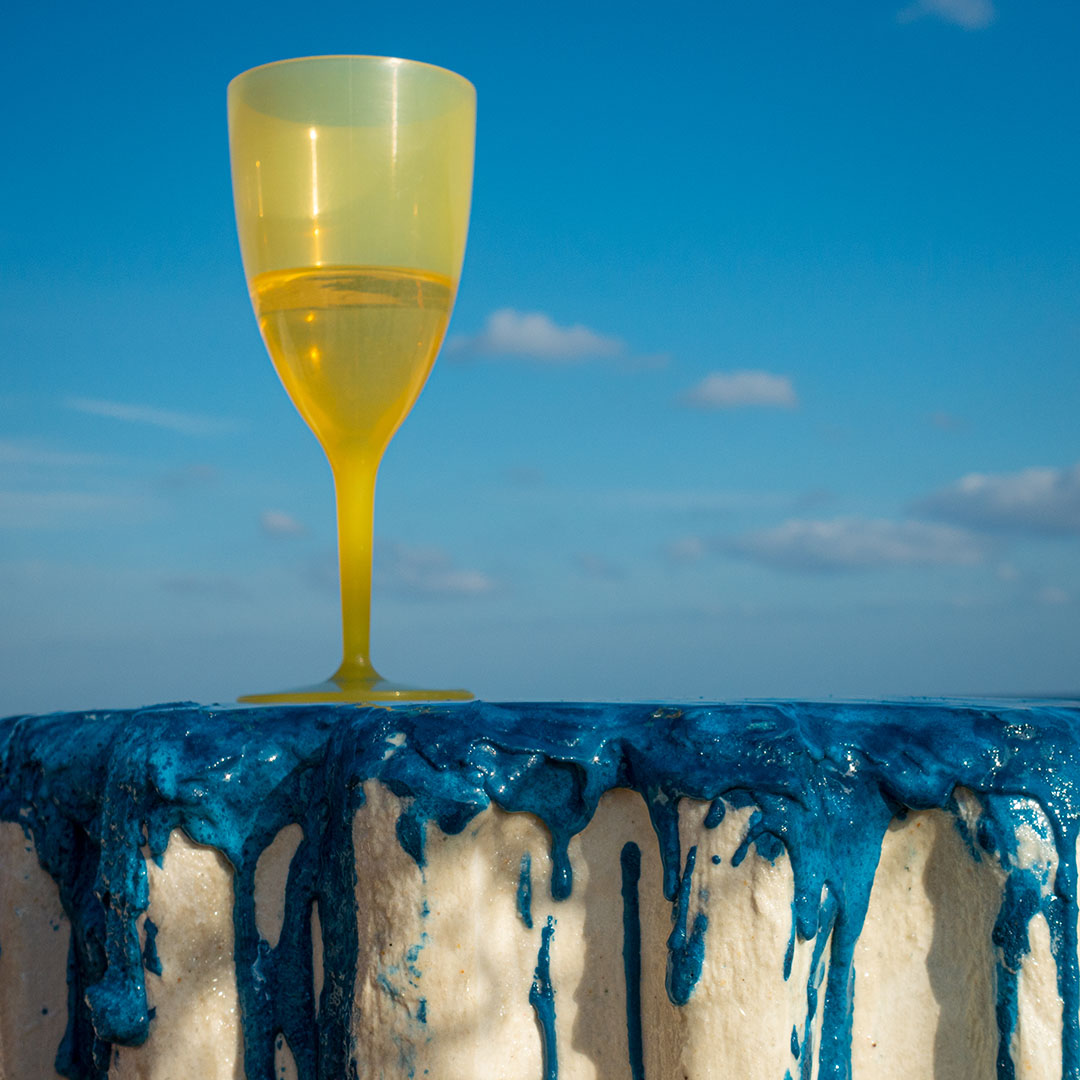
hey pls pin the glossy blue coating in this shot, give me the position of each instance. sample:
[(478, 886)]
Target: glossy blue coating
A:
[(630, 863), (151, 960), (542, 999), (686, 944), (823, 781), (524, 891)]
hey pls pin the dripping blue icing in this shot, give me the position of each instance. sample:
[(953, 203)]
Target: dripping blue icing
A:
[(542, 999), (151, 960), (716, 814), (630, 862), (823, 782), (686, 945), (524, 891)]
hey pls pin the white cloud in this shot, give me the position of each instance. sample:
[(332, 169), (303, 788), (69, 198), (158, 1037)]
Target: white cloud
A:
[(856, 543), (426, 571), (738, 389), (970, 14), (64, 509), (1037, 500), (210, 586), (185, 423), (190, 476), (26, 452), (525, 476), (597, 566), (674, 502), (278, 523), (1052, 596), (321, 572), (702, 503), (534, 334), (686, 549), (945, 421)]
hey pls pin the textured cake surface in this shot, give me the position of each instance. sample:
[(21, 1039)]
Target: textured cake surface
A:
[(541, 892)]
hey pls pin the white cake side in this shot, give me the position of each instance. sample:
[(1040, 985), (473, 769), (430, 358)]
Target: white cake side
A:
[(447, 963)]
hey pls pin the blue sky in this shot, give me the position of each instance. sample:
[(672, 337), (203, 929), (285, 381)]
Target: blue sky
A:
[(763, 378)]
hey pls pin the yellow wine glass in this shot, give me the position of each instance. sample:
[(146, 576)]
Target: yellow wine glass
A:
[(352, 177)]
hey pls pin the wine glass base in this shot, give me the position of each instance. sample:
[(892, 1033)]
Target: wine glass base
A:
[(376, 690)]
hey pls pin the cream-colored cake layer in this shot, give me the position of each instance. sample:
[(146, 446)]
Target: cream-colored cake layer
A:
[(34, 938), (196, 1029), (446, 962)]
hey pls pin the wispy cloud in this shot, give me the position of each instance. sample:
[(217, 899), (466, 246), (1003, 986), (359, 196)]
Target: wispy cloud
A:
[(945, 421), (970, 14), (689, 502), (537, 336), (703, 502), (1031, 586), (1053, 596), (278, 523), (740, 389), (1037, 500), (183, 422), (525, 476), (321, 573), (190, 476), (426, 572), (854, 543), (219, 587), (685, 549), (64, 509), (598, 567), (31, 452)]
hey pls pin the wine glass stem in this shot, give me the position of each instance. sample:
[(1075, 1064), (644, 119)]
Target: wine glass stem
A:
[(354, 483)]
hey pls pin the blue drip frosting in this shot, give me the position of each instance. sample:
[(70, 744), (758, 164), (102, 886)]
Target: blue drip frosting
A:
[(524, 891), (824, 781), (686, 946), (630, 862), (542, 999), (151, 960)]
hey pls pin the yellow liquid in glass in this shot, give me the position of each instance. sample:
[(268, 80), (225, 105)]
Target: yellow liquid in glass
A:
[(354, 346)]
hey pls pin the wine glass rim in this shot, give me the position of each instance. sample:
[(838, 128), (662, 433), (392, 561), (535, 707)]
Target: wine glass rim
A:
[(354, 56)]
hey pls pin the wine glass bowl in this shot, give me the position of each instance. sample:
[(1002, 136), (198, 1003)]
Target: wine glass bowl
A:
[(352, 177)]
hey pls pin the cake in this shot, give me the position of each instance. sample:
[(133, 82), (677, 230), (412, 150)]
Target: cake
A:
[(761, 891)]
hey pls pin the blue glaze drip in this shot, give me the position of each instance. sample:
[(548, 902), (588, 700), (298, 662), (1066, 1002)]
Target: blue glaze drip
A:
[(542, 999), (823, 782), (686, 949), (630, 862), (813, 986), (789, 952), (715, 814), (1025, 895), (663, 807), (524, 891), (151, 960)]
